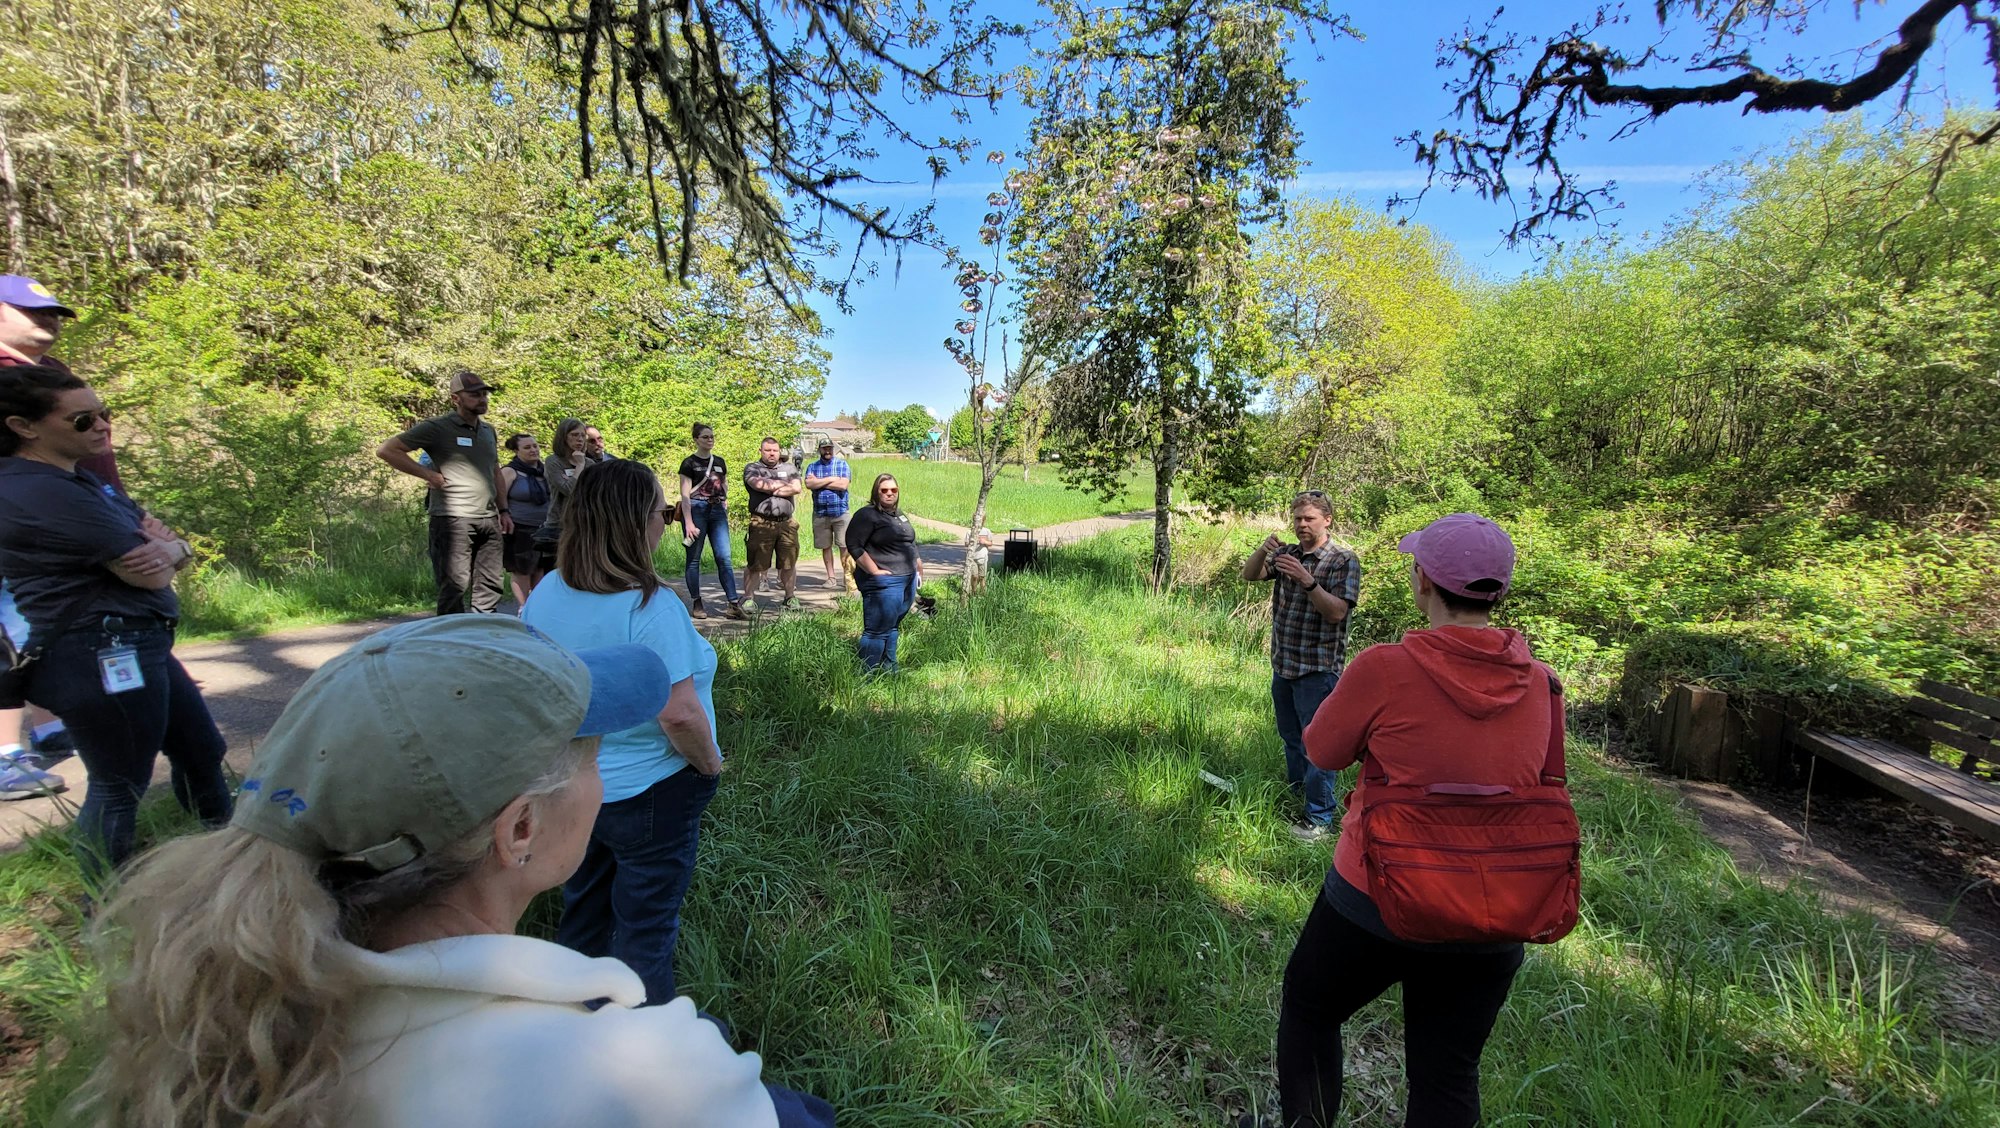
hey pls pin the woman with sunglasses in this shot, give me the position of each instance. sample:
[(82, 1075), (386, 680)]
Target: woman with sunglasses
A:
[(93, 574), (883, 545)]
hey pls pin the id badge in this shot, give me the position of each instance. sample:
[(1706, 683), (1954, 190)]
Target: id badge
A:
[(120, 667)]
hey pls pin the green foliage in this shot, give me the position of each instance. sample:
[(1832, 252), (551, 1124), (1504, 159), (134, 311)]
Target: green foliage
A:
[(908, 429), (1162, 133), (1364, 311)]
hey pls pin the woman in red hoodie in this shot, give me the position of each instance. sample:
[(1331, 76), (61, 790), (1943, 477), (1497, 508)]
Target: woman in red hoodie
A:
[(1461, 702)]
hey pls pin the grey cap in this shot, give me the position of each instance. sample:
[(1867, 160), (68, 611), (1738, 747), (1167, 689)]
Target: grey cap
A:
[(414, 736)]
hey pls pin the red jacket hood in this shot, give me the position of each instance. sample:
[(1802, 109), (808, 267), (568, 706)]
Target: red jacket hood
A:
[(1484, 670)]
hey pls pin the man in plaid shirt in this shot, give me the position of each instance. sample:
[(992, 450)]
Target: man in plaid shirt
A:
[(1316, 584)]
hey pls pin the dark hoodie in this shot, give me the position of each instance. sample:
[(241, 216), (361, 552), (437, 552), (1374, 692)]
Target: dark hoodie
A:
[(1447, 705)]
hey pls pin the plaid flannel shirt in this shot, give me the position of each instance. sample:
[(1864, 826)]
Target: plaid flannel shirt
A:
[(829, 503), (1302, 641)]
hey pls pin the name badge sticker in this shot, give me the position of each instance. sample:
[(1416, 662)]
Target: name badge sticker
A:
[(463, 441)]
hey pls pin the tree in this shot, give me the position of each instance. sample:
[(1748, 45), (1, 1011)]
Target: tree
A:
[(1520, 101), (909, 428), (990, 413), (1363, 311), (758, 109), (1163, 130)]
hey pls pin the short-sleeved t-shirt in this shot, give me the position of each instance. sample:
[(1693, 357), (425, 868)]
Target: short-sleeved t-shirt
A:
[(829, 502), (639, 757), (758, 478), (58, 531), (467, 454), (709, 475), (889, 541)]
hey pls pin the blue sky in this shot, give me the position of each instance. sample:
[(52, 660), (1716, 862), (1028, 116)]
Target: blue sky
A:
[(1360, 96)]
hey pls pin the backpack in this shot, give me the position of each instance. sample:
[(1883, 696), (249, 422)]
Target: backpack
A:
[(1474, 863)]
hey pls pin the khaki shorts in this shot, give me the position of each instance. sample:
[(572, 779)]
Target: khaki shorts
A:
[(831, 532), (772, 536)]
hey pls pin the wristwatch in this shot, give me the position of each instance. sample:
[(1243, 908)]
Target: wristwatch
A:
[(1312, 587)]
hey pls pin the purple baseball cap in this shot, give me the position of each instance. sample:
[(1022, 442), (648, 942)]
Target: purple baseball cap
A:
[(1464, 554), (26, 293)]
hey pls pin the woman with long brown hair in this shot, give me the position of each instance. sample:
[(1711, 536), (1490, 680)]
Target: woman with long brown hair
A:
[(625, 899)]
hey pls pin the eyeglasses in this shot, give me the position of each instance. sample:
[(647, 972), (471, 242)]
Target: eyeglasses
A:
[(85, 420)]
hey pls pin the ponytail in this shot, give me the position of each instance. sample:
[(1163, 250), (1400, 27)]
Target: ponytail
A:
[(229, 983)]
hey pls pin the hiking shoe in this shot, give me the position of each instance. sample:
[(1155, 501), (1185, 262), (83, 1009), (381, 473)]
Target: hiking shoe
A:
[(19, 781), (697, 611), (792, 603), (737, 610), (1307, 831)]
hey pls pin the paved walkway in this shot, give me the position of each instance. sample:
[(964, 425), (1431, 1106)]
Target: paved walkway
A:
[(248, 681)]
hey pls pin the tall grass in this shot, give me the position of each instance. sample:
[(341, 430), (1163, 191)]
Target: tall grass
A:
[(995, 890), (375, 566), (946, 491)]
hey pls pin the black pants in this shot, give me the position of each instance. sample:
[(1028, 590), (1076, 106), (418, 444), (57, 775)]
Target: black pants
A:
[(466, 560), (118, 736), (1450, 1000)]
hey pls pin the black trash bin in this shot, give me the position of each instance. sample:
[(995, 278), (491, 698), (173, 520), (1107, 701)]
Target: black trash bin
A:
[(1019, 551)]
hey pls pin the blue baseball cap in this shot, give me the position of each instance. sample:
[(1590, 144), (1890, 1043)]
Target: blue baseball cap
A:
[(411, 738), (26, 293)]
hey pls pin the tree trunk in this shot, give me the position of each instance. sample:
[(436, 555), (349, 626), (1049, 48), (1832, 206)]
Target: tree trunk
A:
[(10, 198), (1166, 463)]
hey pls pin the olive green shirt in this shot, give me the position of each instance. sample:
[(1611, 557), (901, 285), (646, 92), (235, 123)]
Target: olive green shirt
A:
[(467, 454)]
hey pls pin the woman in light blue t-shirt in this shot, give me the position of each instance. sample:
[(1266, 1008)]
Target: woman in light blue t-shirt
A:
[(625, 900)]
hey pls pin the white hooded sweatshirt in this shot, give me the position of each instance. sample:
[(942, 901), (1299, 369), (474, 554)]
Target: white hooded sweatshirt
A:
[(485, 1030)]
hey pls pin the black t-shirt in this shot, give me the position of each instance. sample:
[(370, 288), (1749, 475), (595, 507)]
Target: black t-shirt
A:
[(58, 530), (890, 541), (709, 475)]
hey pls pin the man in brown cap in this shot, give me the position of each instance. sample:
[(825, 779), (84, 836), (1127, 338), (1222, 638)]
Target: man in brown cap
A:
[(468, 509)]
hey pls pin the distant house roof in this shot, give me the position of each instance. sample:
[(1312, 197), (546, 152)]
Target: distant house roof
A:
[(832, 425)]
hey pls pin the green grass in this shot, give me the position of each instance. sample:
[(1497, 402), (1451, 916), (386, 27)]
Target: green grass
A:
[(946, 491), (372, 568), (995, 891)]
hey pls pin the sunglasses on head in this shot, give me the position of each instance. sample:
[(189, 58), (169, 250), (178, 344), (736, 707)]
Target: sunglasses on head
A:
[(85, 420)]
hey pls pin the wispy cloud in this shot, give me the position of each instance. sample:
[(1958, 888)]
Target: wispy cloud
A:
[(1406, 179), (946, 189)]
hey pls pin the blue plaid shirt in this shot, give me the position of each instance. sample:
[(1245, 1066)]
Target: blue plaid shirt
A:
[(829, 503)]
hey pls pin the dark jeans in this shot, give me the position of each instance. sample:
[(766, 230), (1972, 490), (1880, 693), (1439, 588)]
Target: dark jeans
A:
[(711, 525), (799, 1110), (118, 735), (884, 602), (1450, 1001), (1295, 700), (466, 560), (625, 899)]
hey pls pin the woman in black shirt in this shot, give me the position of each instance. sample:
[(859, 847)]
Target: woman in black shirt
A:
[(705, 517), (883, 544), (93, 574)]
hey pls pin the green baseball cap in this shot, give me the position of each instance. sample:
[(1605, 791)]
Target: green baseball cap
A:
[(414, 736)]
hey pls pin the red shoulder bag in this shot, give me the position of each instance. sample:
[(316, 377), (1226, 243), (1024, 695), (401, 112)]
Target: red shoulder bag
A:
[(1470, 863)]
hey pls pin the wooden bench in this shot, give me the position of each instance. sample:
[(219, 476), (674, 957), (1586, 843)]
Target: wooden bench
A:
[(1966, 722)]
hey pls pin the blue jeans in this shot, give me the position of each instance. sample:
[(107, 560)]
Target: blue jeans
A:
[(884, 602), (711, 525), (118, 735), (1295, 700), (624, 901)]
